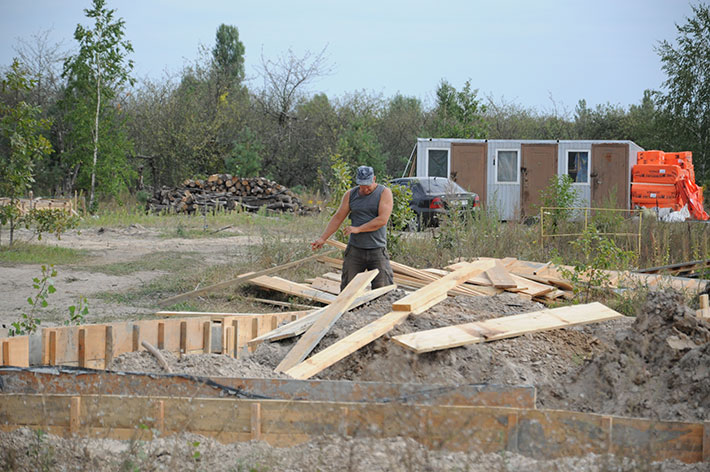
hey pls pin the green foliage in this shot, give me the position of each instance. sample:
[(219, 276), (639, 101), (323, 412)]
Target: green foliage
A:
[(340, 182), (596, 255), (54, 221), (245, 158), (228, 55), (21, 142), (358, 144), (686, 101), (559, 195), (94, 77), (78, 312), (458, 114), (401, 217), (44, 285)]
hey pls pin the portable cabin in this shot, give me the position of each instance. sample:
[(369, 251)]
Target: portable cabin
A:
[(509, 174)]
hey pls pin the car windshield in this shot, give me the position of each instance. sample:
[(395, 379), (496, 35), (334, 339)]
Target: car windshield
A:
[(441, 186)]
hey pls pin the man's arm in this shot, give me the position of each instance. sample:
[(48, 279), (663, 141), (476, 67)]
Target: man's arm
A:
[(384, 210), (335, 221)]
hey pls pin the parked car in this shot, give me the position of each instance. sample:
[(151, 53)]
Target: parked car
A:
[(433, 197)]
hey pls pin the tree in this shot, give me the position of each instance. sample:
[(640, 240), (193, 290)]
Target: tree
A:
[(286, 80), (458, 114), (228, 56), (95, 74), (687, 87), (22, 144)]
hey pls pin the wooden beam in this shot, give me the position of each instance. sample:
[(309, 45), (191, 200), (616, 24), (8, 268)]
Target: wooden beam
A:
[(293, 288), (505, 327), (219, 316), (239, 280), (325, 321), (347, 345), (499, 276), (302, 324), (436, 291)]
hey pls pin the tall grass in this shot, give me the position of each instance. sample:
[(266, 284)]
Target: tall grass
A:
[(35, 253)]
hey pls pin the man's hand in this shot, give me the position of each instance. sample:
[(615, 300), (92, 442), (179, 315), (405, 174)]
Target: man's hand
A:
[(317, 244), (351, 230)]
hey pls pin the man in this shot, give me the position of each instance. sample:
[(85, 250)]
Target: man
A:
[(370, 206)]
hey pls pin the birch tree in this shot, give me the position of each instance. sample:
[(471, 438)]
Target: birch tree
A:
[(94, 77)]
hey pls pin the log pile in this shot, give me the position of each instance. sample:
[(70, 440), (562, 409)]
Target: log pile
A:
[(224, 192)]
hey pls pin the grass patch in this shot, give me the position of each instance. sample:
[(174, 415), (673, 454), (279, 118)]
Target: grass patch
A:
[(169, 261), (30, 253)]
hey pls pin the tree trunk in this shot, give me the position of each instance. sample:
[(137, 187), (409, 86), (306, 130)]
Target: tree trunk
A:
[(96, 133)]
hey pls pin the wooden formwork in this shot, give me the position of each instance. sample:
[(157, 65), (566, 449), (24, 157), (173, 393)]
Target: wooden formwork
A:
[(95, 345), (542, 434), (25, 205), (15, 351)]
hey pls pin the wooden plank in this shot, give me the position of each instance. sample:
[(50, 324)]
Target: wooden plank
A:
[(325, 321), (238, 280), (396, 266), (207, 337), (302, 324), (15, 351), (347, 345), (436, 291), (292, 288), (326, 285), (214, 316), (530, 287), (499, 276), (505, 327)]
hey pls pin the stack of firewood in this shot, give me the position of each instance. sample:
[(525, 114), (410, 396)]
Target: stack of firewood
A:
[(224, 192)]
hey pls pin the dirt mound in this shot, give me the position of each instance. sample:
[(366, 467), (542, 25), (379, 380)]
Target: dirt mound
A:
[(205, 365), (658, 368), (533, 359)]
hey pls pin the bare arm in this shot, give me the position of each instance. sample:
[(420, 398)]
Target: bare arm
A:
[(383, 215), (335, 222)]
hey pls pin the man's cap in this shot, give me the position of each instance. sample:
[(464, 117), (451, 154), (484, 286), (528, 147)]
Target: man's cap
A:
[(365, 175)]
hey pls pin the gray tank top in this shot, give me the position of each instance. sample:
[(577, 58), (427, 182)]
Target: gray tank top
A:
[(364, 208)]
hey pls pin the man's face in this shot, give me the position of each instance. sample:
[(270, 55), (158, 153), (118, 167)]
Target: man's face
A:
[(368, 189)]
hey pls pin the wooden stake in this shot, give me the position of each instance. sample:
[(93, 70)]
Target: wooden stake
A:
[(108, 351), (6, 353), (136, 338), (207, 337), (52, 347), (256, 421), (74, 414), (183, 338), (160, 415), (82, 347), (161, 335)]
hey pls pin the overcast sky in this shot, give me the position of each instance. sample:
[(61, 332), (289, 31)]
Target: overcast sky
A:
[(523, 51)]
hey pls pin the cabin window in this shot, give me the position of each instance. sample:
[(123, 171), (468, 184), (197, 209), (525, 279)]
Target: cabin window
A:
[(507, 167), (438, 163), (578, 166)]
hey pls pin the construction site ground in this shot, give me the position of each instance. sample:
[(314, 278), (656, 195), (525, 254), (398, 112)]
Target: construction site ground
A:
[(655, 365)]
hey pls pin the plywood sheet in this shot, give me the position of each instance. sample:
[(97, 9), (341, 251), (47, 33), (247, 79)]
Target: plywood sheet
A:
[(505, 327)]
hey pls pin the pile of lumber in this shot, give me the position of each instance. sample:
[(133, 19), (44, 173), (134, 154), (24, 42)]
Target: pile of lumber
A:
[(224, 192)]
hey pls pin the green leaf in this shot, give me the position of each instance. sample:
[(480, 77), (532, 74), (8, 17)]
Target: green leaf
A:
[(51, 289), (44, 303), (30, 301)]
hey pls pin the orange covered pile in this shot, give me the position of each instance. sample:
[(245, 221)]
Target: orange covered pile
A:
[(667, 180)]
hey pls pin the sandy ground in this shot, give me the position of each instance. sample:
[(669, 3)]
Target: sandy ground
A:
[(105, 246)]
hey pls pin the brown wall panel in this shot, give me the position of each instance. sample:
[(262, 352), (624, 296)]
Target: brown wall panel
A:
[(538, 164), (469, 167), (610, 170)]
